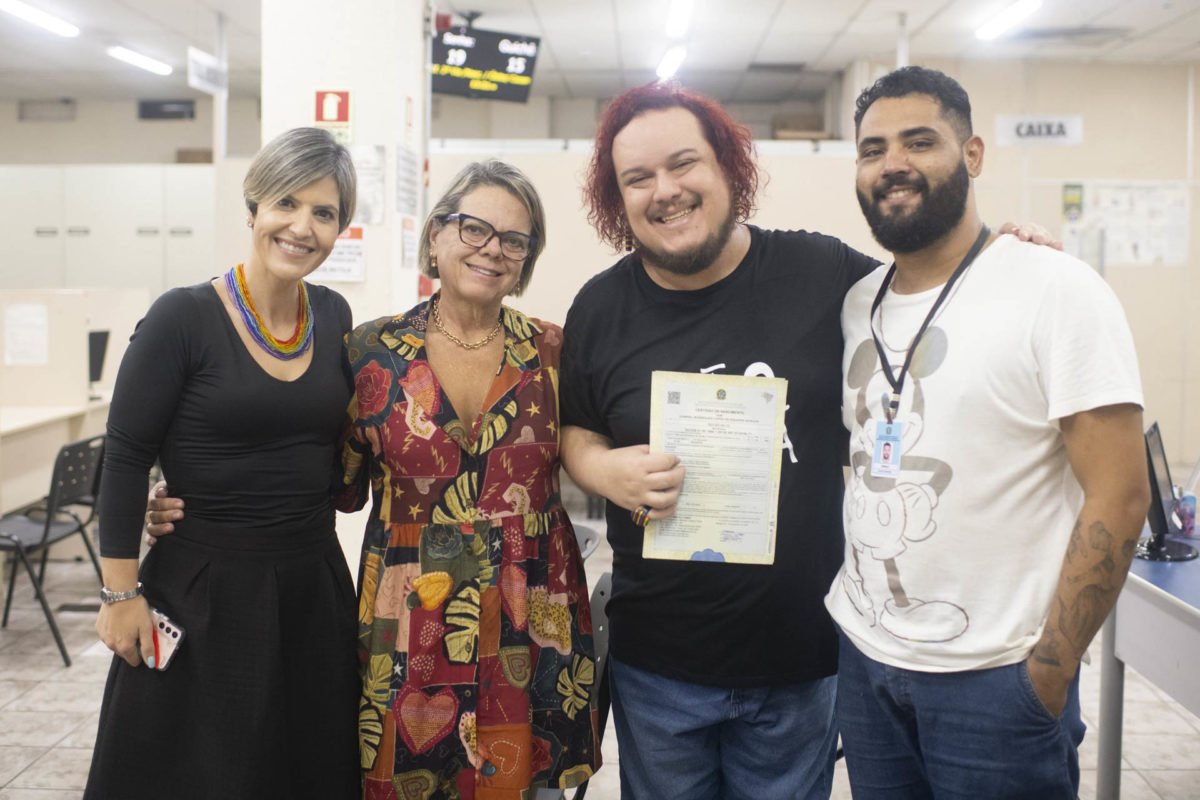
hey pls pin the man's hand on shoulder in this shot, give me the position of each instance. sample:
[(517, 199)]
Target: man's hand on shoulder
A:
[(1031, 232), (162, 512)]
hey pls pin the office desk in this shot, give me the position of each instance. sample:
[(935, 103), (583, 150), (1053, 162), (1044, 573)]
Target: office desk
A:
[(1155, 628), (30, 438)]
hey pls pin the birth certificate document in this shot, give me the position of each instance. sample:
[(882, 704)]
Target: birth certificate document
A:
[(728, 432)]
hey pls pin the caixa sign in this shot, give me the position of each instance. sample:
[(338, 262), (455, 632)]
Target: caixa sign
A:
[(1040, 129)]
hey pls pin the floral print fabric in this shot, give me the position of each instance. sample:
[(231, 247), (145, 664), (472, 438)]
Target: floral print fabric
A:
[(475, 636)]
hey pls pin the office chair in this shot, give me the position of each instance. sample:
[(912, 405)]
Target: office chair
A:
[(588, 539), (35, 528)]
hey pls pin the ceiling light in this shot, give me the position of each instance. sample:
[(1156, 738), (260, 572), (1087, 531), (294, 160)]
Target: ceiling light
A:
[(39, 18), (139, 60), (1007, 19), (679, 16), (671, 62)]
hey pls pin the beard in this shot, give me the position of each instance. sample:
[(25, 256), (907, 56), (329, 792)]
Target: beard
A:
[(941, 209), (693, 261)]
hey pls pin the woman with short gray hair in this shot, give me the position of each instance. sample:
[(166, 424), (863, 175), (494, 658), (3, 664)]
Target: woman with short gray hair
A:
[(473, 604), (247, 687), (486, 173), (475, 631)]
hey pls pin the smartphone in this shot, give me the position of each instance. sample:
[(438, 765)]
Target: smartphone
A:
[(167, 638)]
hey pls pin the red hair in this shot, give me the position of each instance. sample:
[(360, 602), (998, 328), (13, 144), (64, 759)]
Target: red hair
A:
[(731, 142)]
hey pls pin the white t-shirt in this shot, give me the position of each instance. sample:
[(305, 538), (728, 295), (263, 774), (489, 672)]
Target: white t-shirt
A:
[(952, 565)]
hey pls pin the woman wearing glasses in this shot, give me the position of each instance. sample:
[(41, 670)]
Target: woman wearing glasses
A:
[(475, 634)]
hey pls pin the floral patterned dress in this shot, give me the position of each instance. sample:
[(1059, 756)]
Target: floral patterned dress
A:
[(475, 634)]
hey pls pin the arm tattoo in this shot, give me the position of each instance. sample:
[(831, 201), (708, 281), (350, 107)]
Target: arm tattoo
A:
[(1127, 549), (1046, 650), (1093, 574)]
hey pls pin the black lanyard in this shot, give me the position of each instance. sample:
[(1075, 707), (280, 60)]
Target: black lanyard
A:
[(898, 383)]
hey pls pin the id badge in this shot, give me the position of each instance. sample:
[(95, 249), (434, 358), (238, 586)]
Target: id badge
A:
[(885, 461)]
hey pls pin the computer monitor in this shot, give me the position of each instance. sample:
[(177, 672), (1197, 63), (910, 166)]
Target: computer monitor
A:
[(97, 347), (1161, 515)]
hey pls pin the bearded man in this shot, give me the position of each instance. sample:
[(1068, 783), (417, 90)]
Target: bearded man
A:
[(1005, 378), (721, 674)]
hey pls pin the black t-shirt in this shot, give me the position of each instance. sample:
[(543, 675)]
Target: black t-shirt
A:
[(239, 446), (778, 313)]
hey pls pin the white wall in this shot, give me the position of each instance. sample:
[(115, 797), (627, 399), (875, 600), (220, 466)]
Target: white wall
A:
[(572, 118), (373, 49), (1136, 128), (462, 118), (573, 252), (107, 132)]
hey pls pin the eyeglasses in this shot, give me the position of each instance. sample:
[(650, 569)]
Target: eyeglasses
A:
[(477, 233)]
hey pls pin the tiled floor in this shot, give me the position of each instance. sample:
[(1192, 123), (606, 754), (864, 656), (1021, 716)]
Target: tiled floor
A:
[(48, 712)]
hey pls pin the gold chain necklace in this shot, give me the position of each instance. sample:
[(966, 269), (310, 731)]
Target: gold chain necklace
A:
[(437, 323)]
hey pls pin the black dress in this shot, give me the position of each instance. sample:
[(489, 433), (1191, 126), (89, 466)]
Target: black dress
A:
[(261, 698)]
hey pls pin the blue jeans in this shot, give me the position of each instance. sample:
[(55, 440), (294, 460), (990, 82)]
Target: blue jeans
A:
[(692, 742), (975, 735)]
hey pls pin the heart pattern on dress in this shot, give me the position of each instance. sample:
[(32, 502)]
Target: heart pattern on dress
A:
[(506, 755), (423, 720), (416, 785)]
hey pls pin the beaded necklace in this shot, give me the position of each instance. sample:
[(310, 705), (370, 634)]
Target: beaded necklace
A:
[(302, 337)]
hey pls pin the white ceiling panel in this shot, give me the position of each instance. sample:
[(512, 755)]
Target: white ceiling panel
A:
[(1154, 49), (577, 49), (36, 50), (962, 17), (598, 48), (594, 83), (642, 50), (848, 47), (1145, 13), (575, 36), (715, 83), (548, 83), (766, 87), (648, 15), (752, 16), (882, 17), (632, 78), (791, 48), (1191, 54), (795, 16), (714, 50)]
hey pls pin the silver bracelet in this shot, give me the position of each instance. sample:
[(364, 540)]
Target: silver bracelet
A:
[(108, 596)]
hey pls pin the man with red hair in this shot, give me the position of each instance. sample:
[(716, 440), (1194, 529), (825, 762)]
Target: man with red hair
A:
[(721, 674)]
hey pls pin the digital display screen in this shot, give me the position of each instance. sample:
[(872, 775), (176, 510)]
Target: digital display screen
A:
[(470, 62)]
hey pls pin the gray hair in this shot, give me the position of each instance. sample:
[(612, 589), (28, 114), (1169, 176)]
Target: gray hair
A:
[(473, 176), (293, 160)]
